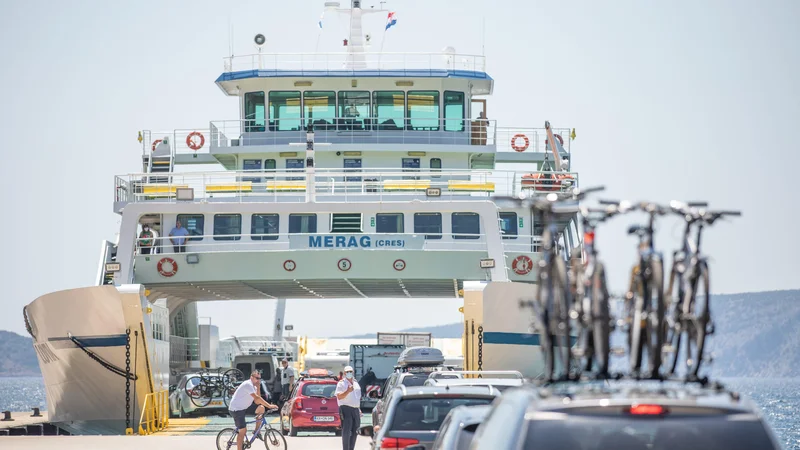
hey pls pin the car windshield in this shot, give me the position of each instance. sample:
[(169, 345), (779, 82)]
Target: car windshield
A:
[(427, 414), (318, 389), (647, 433), (414, 380)]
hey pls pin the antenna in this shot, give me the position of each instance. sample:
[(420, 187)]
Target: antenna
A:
[(483, 37)]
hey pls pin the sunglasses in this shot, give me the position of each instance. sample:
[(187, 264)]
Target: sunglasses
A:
[(257, 378)]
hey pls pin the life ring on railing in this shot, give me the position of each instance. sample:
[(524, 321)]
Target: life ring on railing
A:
[(167, 267), (547, 181), (192, 143), (156, 142), (520, 148), (558, 138)]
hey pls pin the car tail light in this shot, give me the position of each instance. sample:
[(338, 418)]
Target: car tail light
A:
[(647, 410), (390, 442), (298, 404)]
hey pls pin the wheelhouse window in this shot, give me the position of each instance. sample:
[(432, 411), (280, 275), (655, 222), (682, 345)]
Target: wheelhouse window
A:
[(423, 110), (466, 224), (428, 223), (436, 166), (319, 109), (295, 165), (251, 165), (389, 223), (284, 111), (302, 223), (454, 111), (254, 113), (508, 225), (264, 227), (389, 108), (227, 227), (354, 110), (194, 224)]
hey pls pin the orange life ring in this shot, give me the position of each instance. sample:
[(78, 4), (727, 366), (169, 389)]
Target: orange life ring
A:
[(156, 142), (520, 148), (167, 267), (191, 142), (558, 137), (522, 265)]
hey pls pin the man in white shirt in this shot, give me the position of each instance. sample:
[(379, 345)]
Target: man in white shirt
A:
[(348, 392), (245, 395), (287, 379)]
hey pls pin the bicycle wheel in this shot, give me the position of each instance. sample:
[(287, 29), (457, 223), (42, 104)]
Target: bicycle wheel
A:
[(226, 439), (542, 293), (655, 317), (674, 329), (274, 440), (197, 390), (700, 312), (232, 376), (601, 320), (561, 308), (636, 318)]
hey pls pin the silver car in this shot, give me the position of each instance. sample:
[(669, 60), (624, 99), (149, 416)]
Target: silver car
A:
[(181, 405)]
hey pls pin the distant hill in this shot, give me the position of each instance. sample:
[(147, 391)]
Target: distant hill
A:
[(757, 335), (17, 357)]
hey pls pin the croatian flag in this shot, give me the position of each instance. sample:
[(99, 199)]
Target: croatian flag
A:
[(320, 19), (390, 20)]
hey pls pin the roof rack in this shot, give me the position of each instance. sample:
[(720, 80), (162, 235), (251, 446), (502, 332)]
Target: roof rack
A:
[(317, 373), (481, 373)]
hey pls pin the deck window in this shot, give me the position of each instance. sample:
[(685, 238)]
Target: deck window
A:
[(389, 108), (423, 110), (295, 165), (269, 168), (389, 223), (254, 111), (428, 223), (508, 225), (436, 166), (302, 223), (284, 111), (193, 223), (319, 109), (354, 110), (251, 165), (454, 111), (352, 165), (227, 227), (266, 226), (411, 165), (465, 224)]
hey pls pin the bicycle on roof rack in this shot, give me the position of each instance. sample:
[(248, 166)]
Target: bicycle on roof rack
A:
[(688, 291), (644, 300), (552, 297), (205, 386), (591, 310)]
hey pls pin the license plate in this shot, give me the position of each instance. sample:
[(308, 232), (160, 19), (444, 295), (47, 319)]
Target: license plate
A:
[(216, 403), (322, 418)]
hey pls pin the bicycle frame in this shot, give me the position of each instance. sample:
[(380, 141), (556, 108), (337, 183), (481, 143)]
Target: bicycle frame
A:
[(254, 436)]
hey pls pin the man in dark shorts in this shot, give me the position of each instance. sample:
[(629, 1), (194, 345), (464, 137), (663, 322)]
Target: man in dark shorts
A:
[(245, 395)]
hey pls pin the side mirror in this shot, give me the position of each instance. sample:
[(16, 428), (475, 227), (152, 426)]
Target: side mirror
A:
[(373, 394), (366, 431)]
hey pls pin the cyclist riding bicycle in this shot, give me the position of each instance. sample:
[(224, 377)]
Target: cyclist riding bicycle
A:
[(245, 395)]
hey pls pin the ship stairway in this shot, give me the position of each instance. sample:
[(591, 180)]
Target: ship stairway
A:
[(346, 223)]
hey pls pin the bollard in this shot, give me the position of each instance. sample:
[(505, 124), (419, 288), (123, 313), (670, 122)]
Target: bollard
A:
[(6, 416), (36, 413)]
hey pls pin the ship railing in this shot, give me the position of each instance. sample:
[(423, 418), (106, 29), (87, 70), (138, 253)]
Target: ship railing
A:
[(353, 184), (155, 413), (520, 243), (428, 240), (183, 349), (178, 141), (361, 129), (408, 64), (531, 140)]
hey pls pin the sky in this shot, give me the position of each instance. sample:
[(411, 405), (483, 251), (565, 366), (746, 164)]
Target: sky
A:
[(689, 100)]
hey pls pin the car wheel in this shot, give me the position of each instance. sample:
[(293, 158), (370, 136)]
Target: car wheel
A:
[(283, 430), (292, 429), (181, 413)]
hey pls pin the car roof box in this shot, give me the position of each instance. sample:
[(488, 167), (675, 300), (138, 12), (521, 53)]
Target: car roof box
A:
[(420, 356)]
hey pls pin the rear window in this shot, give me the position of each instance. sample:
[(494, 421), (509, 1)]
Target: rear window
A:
[(427, 414), (414, 380), (318, 389), (646, 433)]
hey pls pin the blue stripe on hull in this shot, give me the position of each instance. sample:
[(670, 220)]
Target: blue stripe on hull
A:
[(494, 337), (115, 340)]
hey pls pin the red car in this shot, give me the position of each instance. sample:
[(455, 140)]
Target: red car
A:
[(312, 404)]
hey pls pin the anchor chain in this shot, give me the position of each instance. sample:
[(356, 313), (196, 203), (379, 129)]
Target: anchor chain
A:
[(128, 380), (27, 322), (480, 349)]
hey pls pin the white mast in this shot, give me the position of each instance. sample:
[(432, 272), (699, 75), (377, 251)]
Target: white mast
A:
[(355, 43)]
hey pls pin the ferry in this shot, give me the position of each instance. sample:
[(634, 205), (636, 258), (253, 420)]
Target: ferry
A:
[(346, 175)]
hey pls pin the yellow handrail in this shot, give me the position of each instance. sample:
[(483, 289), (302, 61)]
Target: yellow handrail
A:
[(155, 413)]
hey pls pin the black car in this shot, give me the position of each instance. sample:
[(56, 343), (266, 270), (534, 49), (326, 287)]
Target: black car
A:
[(624, 416)]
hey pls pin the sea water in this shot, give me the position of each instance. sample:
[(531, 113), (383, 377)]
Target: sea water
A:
[(778, 398)]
